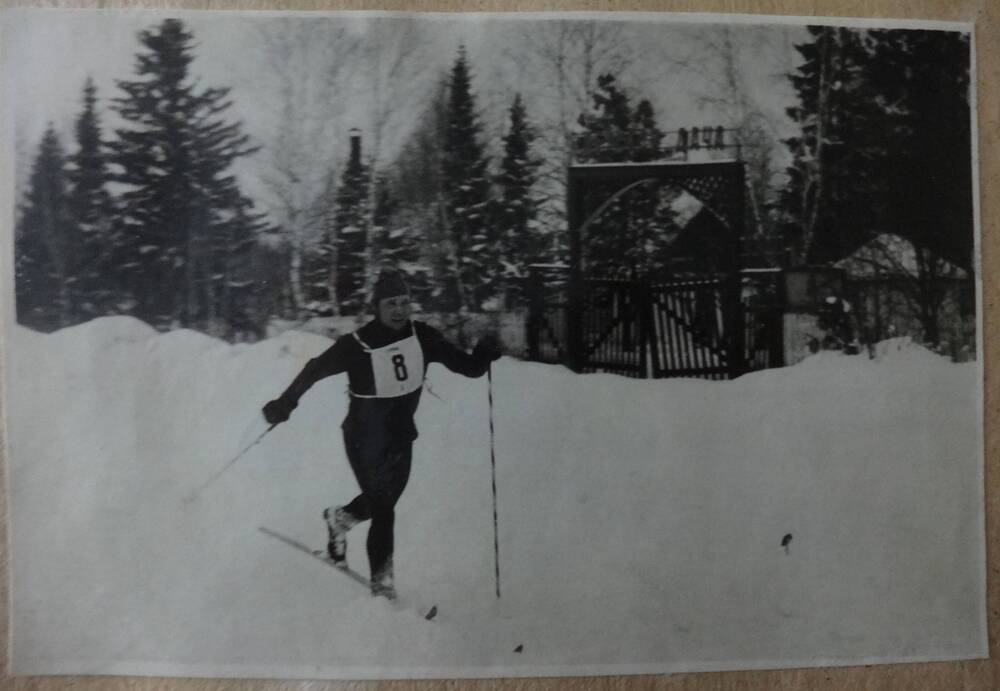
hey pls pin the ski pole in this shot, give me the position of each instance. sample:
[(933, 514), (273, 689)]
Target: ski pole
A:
[(194, 495), (493, 466)]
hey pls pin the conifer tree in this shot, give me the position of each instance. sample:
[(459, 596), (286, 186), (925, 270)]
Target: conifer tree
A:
[(466, 189), (398, 236), (884, 152), (418, 204), (45, 242), (350, 234), (316, 257), (233, 255), (633, 231), (419, 168), (924, 76), (613, 131), (181, 201), (518, 235), (835, 183), (90, 206)]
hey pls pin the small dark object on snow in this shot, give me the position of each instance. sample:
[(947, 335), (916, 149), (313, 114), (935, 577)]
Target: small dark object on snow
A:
[(431, 613), (785, 541), (519, 649)]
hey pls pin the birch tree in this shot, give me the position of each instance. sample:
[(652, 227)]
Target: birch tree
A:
[(394, 81), (310, 67), (565, 59), (724, 89), (835, 186)]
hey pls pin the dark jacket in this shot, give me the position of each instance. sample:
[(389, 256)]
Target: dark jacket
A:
[(388, 420)]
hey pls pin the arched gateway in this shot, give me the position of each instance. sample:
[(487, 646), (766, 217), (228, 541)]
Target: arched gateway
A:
[(670, 300)]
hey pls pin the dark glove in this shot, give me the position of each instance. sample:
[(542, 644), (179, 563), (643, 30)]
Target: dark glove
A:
[(279, 410), (488, 348)]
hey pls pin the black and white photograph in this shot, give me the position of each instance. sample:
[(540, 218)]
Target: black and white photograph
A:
[(371, 345)]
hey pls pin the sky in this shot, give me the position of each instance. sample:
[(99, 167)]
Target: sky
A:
[(50, 52), (47, 55)]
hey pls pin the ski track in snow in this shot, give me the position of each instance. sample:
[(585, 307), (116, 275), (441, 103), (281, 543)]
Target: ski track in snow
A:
[(641, 522)]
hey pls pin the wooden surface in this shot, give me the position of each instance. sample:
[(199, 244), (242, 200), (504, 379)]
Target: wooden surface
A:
[(982, 674)]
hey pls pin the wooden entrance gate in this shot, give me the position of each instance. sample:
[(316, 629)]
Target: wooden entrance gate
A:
[(688, 309), (708, 328), (692, 329), (615, 329)]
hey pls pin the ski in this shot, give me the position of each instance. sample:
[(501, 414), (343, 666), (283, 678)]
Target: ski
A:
[(322, 556)]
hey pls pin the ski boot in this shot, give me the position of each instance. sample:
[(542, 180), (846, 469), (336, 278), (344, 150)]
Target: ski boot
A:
[(382, 583), (338, 522)]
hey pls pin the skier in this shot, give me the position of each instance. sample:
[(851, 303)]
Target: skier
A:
[(385, 360)]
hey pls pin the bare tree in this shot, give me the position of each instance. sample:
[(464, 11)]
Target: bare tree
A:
[(812, 192), (723, 87), (393, 79), (571, 55), (310, 66), (565, 59), (921, 280)]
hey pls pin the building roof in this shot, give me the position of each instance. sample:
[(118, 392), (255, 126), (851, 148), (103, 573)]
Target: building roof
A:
[(891, 255)]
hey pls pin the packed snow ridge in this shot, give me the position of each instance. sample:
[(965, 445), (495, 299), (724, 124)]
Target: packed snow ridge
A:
[(644, 525)]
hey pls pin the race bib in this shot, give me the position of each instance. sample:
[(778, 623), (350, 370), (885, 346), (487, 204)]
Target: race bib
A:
[(398, 368)]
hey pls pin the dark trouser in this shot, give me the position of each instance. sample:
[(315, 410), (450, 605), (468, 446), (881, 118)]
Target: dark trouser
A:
[(382, 474)]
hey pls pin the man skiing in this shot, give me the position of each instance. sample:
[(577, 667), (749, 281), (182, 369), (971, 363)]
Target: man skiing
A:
[(385, 360)]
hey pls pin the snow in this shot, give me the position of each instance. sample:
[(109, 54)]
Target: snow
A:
[(641, 522)]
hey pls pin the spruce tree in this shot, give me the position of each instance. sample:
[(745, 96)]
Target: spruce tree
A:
[(181, 202), (885, 148), (398, 237), (646, 136), (317, 256), (418, 168), (417, 204), (90, 206), (45, 242), (518, 235), (232, 255), (835, 181), (466, 190), (613, 131), (632, 233), (350, 233), (922, 78)]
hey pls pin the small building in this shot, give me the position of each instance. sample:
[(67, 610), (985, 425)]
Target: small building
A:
[(897, 289)]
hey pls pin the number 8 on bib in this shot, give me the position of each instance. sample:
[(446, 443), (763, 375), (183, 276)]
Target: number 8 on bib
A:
[(398, 368)]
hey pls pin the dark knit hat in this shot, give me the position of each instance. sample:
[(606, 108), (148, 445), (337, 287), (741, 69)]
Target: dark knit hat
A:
[(390, 283)]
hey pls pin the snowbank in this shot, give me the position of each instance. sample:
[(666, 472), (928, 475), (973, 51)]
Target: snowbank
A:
[(641, 522)]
